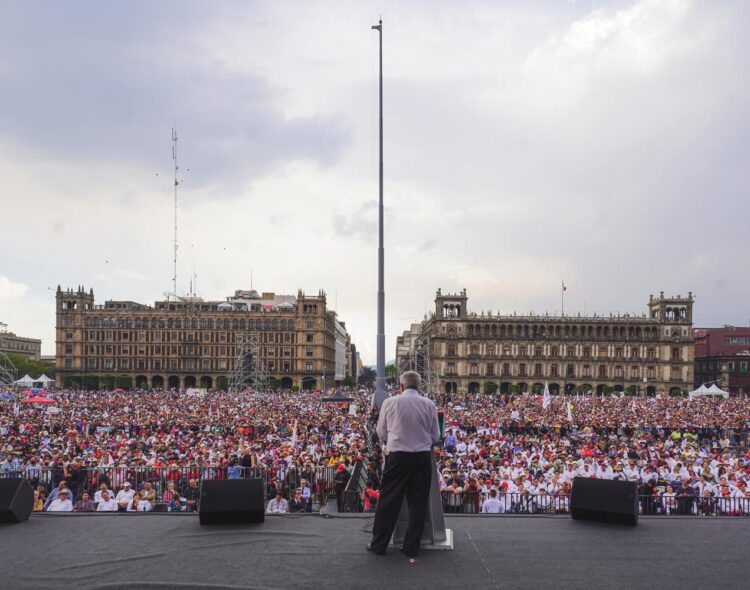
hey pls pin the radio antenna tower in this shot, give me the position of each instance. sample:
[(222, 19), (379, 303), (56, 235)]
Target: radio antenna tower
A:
[(176, 184)]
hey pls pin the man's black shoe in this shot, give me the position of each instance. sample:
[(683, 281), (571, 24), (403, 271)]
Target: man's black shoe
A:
[(375, 551)]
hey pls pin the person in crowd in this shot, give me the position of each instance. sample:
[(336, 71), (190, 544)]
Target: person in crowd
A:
[(193, 495), (38, 502), (297, 503), (370, 497), (148, 493), (61, 503), (85, 504), (137, 504), (492, 504), (62, 486), (102, 488), (278, 505), (107, 503), (124, 496)]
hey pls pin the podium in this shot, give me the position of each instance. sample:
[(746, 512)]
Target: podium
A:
[(435, 535)]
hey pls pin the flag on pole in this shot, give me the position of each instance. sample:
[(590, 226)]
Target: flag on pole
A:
[(570, 412), (546, 399), (564, 288), (632, 406), (294, 435)]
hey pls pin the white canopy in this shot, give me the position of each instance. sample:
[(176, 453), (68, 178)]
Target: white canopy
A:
[(44, 379), (25, 380), (703, 390)]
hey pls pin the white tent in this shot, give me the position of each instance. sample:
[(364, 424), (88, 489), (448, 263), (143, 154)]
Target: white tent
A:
[(24, 381), (703, 390), (714, 390), (44, 380)]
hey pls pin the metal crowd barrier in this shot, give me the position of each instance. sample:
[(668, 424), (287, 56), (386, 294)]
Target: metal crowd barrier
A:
[(89, 480)]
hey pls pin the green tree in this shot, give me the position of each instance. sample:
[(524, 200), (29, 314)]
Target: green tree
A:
[(34, 368), (390, 373), (490, 387)]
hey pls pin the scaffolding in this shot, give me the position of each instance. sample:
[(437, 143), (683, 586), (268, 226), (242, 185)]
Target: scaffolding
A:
[(249, 370), (420, 360), (7, 368)]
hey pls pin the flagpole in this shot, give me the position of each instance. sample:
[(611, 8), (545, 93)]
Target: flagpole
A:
[(380, 392), (562, 299)]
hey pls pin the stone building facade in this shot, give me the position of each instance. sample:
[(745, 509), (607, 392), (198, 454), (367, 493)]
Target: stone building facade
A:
[(10, 343), (190, 342), (722, 356), (485, 352)]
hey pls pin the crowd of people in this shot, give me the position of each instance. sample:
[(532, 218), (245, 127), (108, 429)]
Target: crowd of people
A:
[(143, 451)]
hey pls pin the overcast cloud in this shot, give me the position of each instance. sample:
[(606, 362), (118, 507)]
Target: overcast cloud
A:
[(603, 142)]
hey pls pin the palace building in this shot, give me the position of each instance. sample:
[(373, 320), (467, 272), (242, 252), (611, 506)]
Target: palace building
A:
[(187, 342), (461, 350)]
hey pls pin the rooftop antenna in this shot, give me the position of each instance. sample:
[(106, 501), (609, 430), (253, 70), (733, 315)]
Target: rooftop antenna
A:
[(176, 184)]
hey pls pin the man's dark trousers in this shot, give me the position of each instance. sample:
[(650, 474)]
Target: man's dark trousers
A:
[(410, 475)]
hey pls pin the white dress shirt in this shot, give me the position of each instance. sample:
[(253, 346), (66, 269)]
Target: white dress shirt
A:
[(276, 507), (107, 505), (59, 505), (408, 422)]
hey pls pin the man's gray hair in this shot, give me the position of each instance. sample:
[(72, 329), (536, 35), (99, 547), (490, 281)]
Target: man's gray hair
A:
[(411, 380)]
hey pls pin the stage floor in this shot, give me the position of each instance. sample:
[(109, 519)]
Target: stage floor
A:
[(174, 551)]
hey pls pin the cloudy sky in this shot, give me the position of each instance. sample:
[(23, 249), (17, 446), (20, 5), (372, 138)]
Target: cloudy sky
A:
[(600, 142)]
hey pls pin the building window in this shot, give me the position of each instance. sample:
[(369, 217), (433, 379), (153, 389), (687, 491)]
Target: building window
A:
[(743, 367), (68, 349), (602, 371), (141, 363), (490, 350), (451, 369), (206, 364), (522, 351), (555, 351), (586, 370), (222, 365), (309, 351), (93, 364), (634, 353), (287, 366), (676, 354), (69, 335), (490, 369), (522, 369), (635, 372), (157, 365), (506, 368), (308, 367), (651, 371), (619, 373), (651, 354), (125, 363), (537, 351), (68, 363), (109, 364), (602, 352), (538, 370), (173, 364), (474, 369), (309, 324), (730, 366), (308, 338), (587, 352), (451, 350), (554, 371)]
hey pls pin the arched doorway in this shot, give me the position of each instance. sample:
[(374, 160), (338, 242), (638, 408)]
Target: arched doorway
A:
[(308, 383), (570, 388), (505, 388), (222, 383), (522, 387), (675, 391), (600, 389), (286, 383), (490, 387), (189, 381), (173, 382), (207, 382), (619, 388), (141, 382), (157, 382), (474, 387), (651, 390), (586, 388), (537, 388), (450, 387), (554, 388)]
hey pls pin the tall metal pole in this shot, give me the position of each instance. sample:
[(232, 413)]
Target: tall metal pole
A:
[(380, 390)]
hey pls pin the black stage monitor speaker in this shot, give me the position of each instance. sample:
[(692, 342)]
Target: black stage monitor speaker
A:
[(16, 499), (604, 500), (232, 501)]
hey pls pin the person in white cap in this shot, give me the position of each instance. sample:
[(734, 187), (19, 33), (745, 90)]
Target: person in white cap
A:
[(124, 497)]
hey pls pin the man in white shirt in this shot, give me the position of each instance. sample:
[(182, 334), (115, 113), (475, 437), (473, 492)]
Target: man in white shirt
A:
[(408, 424), (107, 503), (62, 503), (492, 505), (124, 496), (98, 495), (277, 505)]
